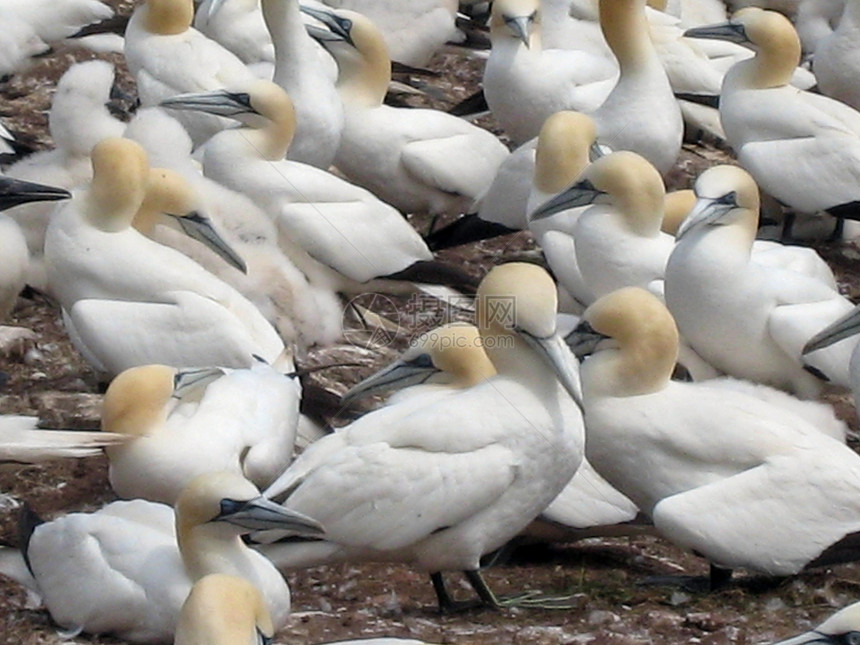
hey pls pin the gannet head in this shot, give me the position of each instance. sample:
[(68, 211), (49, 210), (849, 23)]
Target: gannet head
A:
[(14, 192), (725, 195), (565, 142), (357, 44), (227, 504), (676, 207), (259, 104), (452, 353), (841, 627), (519, 299), (633, 338), (623, 179), (169, 194), (168, 17), (519, 19), (224, 610), (770, 34), (120, 174)]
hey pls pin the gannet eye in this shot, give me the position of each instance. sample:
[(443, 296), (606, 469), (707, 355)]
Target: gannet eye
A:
[(346, 24), (532, 16), (729, 198), (423, 360)]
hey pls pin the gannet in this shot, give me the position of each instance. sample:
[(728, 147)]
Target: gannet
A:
[(78, 119), (130, 301), (816, 20), (618, 241), (167, 56), (845, 327), (839, 628), (747, 319), (766, 121), (183, 423), (417, 160), (237, 25), (302, 313), (837, 59), (21, 442), (53, 21), (337, 233), (444, 482), (127, 568), (524, 84), (741, 481), (19, 44), (451, 358)]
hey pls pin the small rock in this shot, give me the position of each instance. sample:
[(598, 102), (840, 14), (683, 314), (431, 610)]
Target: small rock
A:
[(602, 617)]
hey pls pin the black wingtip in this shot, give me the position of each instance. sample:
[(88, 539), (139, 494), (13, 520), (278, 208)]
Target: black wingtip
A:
[(436, 272), (465, 230), (28, 520), (474, 104)]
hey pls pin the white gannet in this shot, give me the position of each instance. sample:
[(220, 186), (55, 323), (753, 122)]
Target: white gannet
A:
[(618, 241), (19, 44), (53, 21), (439, 483), (167, 56), (768, 122), (524, 83), (747, 319), (238, 25), (451, 358), (78, 119), (417, 160), (337, 233), (130, 301), (301, 312), (127, 568), (737, 479), (845, 327), (22, 442), (837, 59), (182, 423), (816, 20), (841, 627)]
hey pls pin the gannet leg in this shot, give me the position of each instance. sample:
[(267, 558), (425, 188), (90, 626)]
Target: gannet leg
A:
[(529, 599)]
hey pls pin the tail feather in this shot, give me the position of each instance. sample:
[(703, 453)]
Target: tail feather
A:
[(436, 272), (22, 443)]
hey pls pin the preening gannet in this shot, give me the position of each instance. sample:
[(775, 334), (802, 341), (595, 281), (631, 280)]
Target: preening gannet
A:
[(837, 59), (130, 301), (417, 160), (238, 25), (742, 481), (618, 241), (768, 122), (78, 119), (338, 234), (167, 56), (182, 423), (841, 627), (524, 84), (127, 568), (746, 319), (440, 483), (302, 313)]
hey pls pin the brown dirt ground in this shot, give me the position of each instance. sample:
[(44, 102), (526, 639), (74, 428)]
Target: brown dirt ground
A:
[(348, 601)]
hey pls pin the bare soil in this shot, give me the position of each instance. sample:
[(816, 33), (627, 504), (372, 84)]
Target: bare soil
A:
[(49, 379)]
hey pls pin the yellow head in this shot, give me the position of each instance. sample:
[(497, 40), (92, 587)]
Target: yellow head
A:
[(136, 400)]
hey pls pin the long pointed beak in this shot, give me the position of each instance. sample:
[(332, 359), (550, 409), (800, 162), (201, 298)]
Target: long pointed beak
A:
[(555, 352), (396, 376), (14, 192), (732, 31), (218, 102), (583, 340), (192, 378), (597, 150), (338, 26), (704, 211), (201, 229), (846, 326), (521, 26), (582, 193), (809, 637), (261, 514)]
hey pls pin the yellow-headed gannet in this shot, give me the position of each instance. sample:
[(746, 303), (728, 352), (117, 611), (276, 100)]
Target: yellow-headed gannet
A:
[(182, 423), (747, 319), (417, 160), (768, 122), (438, 482), (739, 480), (167, 56), (127, 568), (130, 301)]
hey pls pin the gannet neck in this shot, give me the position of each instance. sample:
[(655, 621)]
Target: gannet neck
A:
[(118, 187), (363, 80), (659, 5), (625, 28), (168, 17), (136, 401), (635, 188), (676, 207), (166, 192), (223, 610), (271, 138), (562, 150), (284, 22), (777, 46), (647, 343), (458, 350)]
